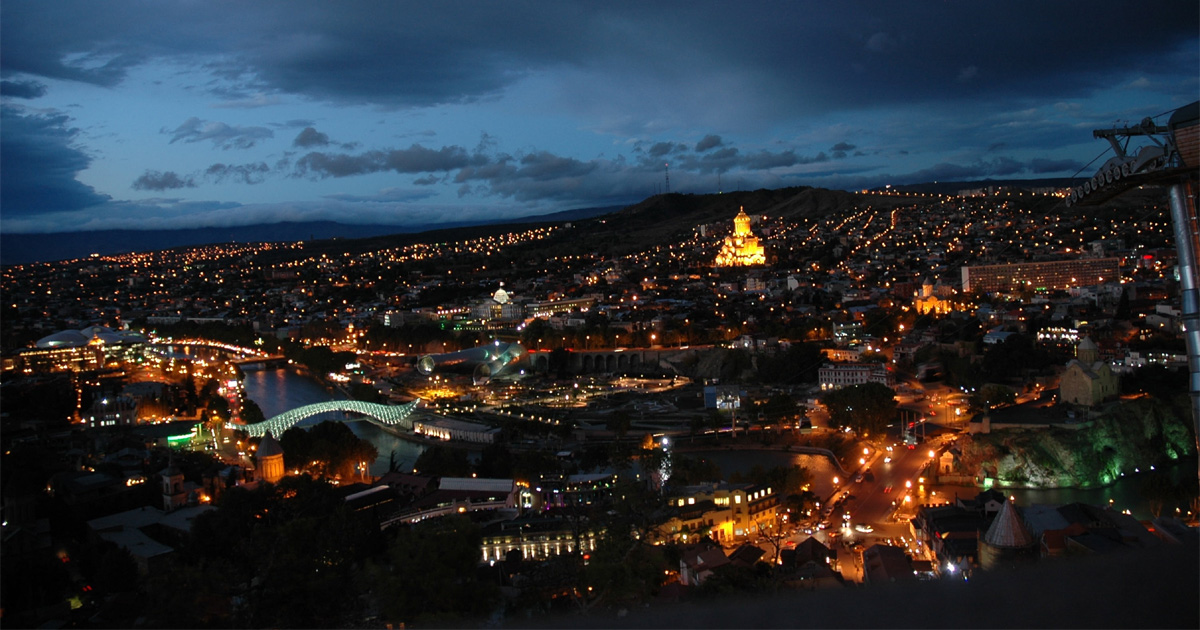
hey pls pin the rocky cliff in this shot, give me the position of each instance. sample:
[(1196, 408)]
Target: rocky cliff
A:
[(1132, 435)]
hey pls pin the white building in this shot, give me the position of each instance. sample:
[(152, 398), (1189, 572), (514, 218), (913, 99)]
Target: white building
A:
[(458, 430), (838, 375)]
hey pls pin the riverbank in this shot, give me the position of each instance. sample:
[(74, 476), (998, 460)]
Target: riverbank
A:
[(425, 440)]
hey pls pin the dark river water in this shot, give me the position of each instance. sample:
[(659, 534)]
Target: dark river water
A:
[(280, 390)]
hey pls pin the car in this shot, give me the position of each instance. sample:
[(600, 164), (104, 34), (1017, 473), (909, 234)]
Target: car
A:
[(858, 479), (887, 460), (864, 528), (887, 489)]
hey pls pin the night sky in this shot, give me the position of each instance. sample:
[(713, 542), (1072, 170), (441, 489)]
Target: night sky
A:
[(187, 114)]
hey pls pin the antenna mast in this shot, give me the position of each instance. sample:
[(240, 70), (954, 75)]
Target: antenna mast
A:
[(667, 167)]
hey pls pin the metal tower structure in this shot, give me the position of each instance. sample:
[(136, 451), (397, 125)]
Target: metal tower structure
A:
[(667, 170), (1171, 159)]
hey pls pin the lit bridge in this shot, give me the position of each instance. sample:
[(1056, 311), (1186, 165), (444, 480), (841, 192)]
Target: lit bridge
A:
[(389, 415)]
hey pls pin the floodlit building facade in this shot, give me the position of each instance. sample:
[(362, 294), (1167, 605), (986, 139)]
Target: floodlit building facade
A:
[(1041, 276), (833, 376), (742, 248)]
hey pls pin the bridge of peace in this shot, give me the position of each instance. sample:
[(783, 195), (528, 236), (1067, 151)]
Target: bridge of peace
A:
[(395, 416)]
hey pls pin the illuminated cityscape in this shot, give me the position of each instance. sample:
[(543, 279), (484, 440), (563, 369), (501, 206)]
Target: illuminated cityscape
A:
[(585, 315), (654, 357)]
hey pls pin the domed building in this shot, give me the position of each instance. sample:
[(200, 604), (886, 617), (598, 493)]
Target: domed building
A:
[(80, 350), (742, 248), (270, 459)]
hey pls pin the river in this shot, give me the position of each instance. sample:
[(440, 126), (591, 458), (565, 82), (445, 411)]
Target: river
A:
[(1125, 493), (279, 390)]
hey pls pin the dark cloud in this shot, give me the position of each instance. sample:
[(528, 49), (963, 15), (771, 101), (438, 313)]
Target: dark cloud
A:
[(310, 137), (387, 195), (22, 89), (160, 180), (544, 166), (1041, 166), (708, 142), (803, 57), (222, 135), (662, 149), (766, 159), (415, 159), (841, 149), (254, 173), (999, 167), (428, 180), (40, 164), (720, 161)]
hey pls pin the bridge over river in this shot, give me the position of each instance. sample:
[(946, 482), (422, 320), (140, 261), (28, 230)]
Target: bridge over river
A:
[(384, 415)]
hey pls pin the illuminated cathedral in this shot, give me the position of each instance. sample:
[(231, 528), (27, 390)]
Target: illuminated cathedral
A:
[(742, 248)]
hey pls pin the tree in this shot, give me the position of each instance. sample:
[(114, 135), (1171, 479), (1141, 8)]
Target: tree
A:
[(779, 409), (866, 408), (429, 575), (1123, 311), (443, 461), (626, 566), (798, 364), (618, 422), (992, 396), (332, 445), (251, 412)]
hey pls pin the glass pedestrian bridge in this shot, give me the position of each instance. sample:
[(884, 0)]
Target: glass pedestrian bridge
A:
[(388, 415)]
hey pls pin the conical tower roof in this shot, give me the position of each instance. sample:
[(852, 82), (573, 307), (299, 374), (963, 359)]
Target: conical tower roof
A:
[(269, 446), (1008, 530)]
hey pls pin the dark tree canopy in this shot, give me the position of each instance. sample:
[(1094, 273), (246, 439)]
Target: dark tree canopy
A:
[(430, 573), (866, 408), (331, 445), (443, 461)]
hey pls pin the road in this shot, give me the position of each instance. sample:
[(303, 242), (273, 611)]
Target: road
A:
[(877, 501)]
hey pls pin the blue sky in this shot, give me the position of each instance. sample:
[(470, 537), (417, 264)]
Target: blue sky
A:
[(188, 114)]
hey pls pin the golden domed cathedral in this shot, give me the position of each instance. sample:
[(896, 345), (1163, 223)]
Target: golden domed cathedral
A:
[(742, 248)]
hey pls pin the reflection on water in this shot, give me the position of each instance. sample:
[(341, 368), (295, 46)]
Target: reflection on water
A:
[(1126, 493), (277, 391), (280, 390)]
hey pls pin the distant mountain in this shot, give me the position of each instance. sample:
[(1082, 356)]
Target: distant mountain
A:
[(611, 229), (24, 248)]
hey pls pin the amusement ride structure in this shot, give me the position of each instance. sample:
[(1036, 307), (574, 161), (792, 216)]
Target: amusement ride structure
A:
[(1170, 158)]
